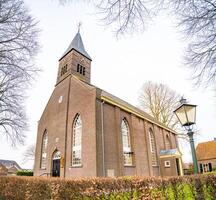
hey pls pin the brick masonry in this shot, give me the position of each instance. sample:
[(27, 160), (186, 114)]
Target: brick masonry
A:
[(102, 149)]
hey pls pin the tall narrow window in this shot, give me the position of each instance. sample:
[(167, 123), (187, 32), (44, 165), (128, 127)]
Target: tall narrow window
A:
[(77, 142), (44, 150), (168, 142), (153, 147), (126, 143), (81, 69), (78, 67)]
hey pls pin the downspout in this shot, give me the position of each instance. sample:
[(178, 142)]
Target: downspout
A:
[(66, 125), (102, 139)]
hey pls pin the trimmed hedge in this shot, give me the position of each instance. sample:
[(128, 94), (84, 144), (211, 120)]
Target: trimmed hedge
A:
[(24, 173), (202, 187)]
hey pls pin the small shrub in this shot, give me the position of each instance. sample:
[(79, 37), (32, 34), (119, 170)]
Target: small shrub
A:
[(24, 173)]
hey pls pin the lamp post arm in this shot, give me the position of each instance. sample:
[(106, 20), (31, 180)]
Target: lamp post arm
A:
[(190, 135)]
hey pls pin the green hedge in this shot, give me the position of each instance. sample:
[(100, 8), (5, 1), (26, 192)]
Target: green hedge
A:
[(24, 173), (201, 187)]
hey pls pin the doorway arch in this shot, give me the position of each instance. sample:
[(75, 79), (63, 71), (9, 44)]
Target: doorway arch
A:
[(56, 163)]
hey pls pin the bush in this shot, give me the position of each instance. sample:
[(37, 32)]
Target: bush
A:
[(24, 173), (180, 188)]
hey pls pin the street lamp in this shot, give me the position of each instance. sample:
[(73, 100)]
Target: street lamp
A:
[(186, 114)]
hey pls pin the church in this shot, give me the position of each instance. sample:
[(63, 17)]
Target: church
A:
[(85, 131)]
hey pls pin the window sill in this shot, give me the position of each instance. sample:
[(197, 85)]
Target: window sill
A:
[(129, 166), (76, 166), (42, 168)]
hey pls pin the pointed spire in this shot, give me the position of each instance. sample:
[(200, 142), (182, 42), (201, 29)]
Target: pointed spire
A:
[(77, 44)]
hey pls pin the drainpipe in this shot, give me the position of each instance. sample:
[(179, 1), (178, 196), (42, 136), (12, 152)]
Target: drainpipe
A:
[(102, 139)]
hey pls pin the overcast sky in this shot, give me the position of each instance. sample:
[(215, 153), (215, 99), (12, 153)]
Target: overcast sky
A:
[(119, 66)]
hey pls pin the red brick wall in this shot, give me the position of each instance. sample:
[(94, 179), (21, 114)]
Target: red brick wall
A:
[(82, 101), (53, 120), (139, 141)]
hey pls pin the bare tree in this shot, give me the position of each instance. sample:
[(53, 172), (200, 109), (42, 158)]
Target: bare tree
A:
[(18, 46), (197, 18), (126, 16), (12, 115), (29, 153), (159, 101)]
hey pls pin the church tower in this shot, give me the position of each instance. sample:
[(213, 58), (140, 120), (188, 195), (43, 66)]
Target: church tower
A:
[(75, 61), (71, 103)]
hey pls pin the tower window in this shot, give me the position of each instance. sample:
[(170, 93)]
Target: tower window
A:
[(64, 70), (81, 69)]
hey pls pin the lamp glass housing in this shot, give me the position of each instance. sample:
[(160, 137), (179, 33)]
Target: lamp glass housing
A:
[(186, 114)]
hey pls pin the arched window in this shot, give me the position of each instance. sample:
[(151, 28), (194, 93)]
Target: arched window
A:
[(44, 150), (153, 147), (126, 142), (168, 142), (77, 142)]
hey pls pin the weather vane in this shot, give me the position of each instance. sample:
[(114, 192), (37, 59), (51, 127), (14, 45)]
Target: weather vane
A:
[(79, 25)]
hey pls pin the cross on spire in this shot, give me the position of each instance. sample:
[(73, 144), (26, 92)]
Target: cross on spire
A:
[(79, 25), (77, 44)]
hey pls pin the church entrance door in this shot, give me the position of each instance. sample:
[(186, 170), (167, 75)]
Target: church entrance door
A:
[(56, 164)]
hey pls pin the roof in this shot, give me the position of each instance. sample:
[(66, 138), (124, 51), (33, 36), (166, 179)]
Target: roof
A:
[(10, 163), (3, 170), (206, 150), (77, 44), (132, 109), (169, 152), (186, 165), (109, 98), (13, 169)]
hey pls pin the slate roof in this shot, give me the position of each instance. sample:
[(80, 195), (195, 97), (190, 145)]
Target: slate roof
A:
[(77, 44), (10, 163), (124, 105), (135, 109), (206, 150)]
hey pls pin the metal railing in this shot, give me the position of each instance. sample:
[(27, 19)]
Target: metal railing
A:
[(47, 174)]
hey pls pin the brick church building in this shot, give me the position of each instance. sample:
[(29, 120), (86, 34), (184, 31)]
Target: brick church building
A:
[(85, 131)]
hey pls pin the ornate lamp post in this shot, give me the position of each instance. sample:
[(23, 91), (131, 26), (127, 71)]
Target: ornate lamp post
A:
[(186, 114)]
